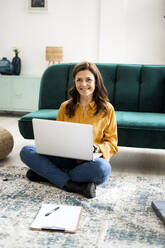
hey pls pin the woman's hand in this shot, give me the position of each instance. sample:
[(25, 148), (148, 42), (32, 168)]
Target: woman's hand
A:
[(79, 161), (96, 148)]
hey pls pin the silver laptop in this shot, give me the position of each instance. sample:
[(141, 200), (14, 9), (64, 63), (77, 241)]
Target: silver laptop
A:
[(64, 139)]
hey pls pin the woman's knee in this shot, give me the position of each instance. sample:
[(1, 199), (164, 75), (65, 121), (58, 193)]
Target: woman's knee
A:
[(26, 152), (103, 170)]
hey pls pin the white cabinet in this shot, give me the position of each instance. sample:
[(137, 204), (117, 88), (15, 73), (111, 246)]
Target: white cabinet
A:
[(19, 93)]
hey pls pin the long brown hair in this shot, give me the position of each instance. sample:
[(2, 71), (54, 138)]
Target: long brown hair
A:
[(100, 95)]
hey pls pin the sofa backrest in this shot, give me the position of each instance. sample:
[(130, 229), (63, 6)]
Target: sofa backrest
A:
[(130, 87)]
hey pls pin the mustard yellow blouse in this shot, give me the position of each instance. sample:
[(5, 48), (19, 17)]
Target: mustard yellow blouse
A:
[(104, 127)]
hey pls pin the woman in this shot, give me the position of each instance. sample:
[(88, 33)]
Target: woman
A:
[(88, 104)]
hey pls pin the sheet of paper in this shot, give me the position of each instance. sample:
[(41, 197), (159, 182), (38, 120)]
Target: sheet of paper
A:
[(66, 217)]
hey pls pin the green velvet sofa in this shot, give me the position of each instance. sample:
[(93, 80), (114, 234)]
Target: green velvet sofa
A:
[(136, 91)]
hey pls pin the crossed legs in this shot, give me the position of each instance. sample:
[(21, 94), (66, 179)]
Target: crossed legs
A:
[(60, 171)]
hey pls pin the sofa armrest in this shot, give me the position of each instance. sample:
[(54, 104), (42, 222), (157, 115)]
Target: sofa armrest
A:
[(25, 123)]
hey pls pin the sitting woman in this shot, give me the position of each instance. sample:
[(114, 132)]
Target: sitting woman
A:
[(88, 104)]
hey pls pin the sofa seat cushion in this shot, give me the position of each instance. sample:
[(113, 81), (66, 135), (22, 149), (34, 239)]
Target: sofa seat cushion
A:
[(144, 130), (25, 123), (141, 120)]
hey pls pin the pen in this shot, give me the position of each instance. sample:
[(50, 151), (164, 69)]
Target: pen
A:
[(51, 211)]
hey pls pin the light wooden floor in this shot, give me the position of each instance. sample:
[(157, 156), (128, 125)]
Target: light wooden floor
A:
[(127, 161)]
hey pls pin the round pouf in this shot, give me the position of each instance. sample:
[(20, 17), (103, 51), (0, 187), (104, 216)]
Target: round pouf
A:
[(6, 143)]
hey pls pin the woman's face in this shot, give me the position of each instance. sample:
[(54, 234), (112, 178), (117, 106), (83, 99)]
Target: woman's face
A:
[(85, 83)]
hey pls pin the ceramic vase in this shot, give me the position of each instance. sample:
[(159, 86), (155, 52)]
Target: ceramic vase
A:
[(16, 64)]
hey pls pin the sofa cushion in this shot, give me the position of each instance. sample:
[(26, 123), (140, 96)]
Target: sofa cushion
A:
[(25, 123), (127, 88), (141, 129), (108, 72), (140, 120), (152, 89), (54, 85)]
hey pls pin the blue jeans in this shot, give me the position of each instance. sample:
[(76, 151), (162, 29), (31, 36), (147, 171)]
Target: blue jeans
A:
[(61, 170)]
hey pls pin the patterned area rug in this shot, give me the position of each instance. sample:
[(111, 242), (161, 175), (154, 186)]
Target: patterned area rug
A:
[(120, 215)]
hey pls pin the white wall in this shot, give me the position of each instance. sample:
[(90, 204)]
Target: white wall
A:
[(131, 31), (71, 24)]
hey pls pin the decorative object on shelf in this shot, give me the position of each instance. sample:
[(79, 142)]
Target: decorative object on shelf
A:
[(38, 5), (6, 143), (16, 61), (6, 67), (54, 54)]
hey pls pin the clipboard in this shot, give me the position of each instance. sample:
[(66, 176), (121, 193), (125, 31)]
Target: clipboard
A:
[(51, 217)]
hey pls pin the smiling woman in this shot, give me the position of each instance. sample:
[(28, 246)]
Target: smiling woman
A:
[(88, 87), (88, 104), (85, 85)]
